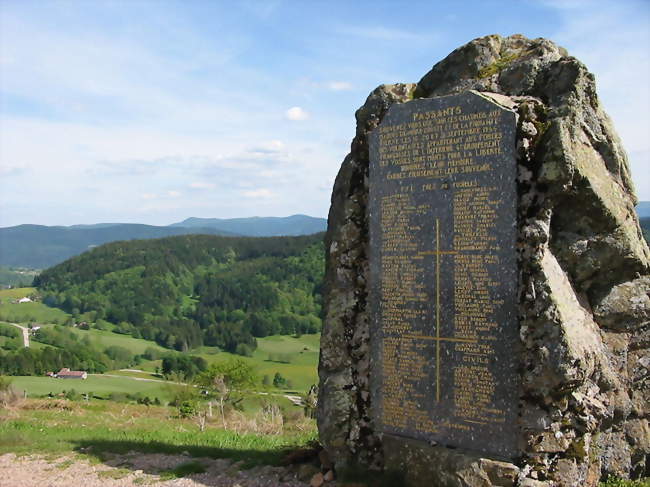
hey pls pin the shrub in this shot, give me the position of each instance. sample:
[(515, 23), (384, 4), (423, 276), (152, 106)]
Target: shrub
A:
[(187, 409), (118, 397), (72, 395), (244, 350), (279, 381)]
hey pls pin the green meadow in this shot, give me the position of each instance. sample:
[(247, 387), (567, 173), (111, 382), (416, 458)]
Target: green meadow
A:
[(34, 312), (98, 385), (108, 338), (295, 358), (16, 293)]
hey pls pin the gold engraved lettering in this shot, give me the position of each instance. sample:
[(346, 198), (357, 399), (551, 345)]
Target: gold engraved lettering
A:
[(442, 152)]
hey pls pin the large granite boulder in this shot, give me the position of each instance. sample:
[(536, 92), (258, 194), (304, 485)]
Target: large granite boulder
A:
[(584, 287)]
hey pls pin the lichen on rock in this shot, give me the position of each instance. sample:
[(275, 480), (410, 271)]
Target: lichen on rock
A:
[(584, 288)]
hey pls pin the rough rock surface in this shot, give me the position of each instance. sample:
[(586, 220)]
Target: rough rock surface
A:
[(584, 281)]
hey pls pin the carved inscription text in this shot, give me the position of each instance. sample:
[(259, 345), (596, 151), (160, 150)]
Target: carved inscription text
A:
[(443, 273)]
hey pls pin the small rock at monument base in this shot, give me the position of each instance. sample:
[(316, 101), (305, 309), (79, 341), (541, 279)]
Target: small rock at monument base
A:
[(317, 480)]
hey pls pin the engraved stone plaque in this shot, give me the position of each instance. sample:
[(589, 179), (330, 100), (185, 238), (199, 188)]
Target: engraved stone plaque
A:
[(443, 273)]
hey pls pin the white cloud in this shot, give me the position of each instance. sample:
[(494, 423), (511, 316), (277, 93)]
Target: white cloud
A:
[(339, 85), (259, 193), (173, 194), (296, 114), (148, 196)]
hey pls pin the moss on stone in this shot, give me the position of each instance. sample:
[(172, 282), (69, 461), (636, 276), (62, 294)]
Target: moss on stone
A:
[(498, 65)]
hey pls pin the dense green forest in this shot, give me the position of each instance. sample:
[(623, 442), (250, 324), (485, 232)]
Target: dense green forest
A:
[(188, 291)]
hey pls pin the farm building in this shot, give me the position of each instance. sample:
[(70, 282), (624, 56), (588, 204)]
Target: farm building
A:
[(66, 373)]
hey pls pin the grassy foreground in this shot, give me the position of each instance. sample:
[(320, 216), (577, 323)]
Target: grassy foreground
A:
[(97, 428)]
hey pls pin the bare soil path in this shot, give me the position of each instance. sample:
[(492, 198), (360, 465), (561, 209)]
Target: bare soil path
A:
[(135, 469)]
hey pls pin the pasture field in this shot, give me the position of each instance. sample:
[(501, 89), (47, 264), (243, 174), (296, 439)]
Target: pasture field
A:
[(134, 373), (108, 338), (99, 385), (58, 427), (27, 312), (16, 293), (295, 358)]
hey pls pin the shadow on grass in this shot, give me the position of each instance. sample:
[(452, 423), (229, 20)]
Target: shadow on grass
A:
[(191, 459), (98, 448)]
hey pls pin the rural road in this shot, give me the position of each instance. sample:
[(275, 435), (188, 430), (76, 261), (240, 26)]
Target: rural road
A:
[(25, 333)]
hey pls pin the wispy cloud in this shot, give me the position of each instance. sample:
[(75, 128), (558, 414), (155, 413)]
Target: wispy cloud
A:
[(271, 147), (382, 33), (296, 114), (339, 85)]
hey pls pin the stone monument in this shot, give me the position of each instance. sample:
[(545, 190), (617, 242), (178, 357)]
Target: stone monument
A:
[(487, 301)]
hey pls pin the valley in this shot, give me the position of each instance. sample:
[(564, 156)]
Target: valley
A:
[(294, 358)]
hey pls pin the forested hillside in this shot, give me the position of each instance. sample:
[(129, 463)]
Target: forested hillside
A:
[(193, 290)]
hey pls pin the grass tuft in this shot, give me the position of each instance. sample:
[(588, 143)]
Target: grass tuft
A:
[(115, 473), (616, 482), (182, 470), (497, 66)]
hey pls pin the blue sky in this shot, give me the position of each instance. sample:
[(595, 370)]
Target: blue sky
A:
[(155, 111)]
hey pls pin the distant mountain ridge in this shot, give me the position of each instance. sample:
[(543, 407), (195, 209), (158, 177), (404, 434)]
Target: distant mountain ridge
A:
[(40, 247), (257, 226)]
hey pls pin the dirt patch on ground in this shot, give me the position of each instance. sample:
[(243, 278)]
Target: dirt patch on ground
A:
[(136, 469)]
